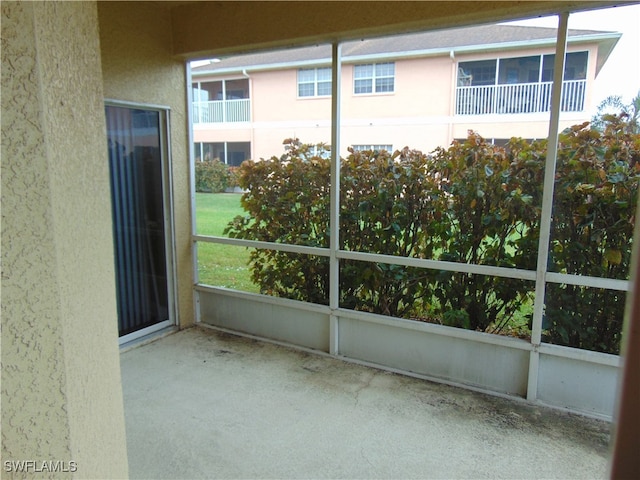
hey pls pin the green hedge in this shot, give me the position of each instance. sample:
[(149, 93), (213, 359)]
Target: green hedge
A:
[(213, 176), (593, 220), (471, 203)]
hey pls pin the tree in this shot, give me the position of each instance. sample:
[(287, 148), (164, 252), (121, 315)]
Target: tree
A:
[(614, 105)]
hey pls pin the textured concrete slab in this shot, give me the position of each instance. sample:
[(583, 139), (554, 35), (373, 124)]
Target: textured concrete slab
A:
[(204, 404)]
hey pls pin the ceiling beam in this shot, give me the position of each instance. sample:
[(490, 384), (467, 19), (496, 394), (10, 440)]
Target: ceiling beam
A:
[(205, 29)]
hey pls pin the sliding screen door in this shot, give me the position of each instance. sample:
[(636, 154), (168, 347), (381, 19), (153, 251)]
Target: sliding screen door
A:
[(139, 194)]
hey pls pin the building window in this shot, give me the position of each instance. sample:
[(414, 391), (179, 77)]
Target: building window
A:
[(374, 78), (234, 89), (314, 82), (519, 85), (230, 153), (221, 101), (482, 72), (378, 148), (575, 67)]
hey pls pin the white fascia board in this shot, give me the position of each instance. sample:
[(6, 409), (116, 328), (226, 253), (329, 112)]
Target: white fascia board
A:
[(486, 47), (317, 62), (595, 37)]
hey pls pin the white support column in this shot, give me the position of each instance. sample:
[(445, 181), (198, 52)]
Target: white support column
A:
[(224, 111), (494, 89), (334, 221), (547, 204), (192, 187), (190, 97)]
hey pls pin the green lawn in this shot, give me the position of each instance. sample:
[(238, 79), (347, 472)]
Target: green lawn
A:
[(215, 210), (221, 265), (227, 265)]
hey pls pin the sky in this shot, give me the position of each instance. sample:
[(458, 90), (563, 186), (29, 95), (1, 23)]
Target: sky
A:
[(621, 74)]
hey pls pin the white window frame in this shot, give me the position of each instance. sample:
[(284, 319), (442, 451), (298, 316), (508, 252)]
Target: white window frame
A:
[(373, 78), (315, 82)]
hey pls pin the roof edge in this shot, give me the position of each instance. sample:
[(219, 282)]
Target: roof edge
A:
[(607, 40)]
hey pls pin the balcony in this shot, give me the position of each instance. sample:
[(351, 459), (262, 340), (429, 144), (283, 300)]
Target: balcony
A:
[(205, 404), (222, 111), (518, 98)]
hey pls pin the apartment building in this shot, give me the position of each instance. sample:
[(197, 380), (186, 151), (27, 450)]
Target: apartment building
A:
[(420, 90)]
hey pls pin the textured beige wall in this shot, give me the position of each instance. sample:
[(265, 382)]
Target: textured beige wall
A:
[(138, 66), (61, 390)]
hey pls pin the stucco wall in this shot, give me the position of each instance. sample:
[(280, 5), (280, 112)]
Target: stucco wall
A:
[(61, 391), (138, 66)]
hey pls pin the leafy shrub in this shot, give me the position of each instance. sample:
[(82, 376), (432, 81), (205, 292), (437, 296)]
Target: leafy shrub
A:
[(232, 177), (593, 220), (287, 200), (471, 203), (388, 204), (213, 176), (490, 215)]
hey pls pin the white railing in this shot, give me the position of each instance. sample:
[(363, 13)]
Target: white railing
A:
[(222, 111), (518, 98)]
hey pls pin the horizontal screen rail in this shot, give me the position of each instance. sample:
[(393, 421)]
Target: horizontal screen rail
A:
[(585, 281), (440, 265), (489, 270), (281, 247)]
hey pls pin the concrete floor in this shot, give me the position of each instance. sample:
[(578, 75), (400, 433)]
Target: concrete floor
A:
[(204, 404)]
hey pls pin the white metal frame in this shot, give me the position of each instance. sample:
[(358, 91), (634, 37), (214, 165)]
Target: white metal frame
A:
[(524, 369)]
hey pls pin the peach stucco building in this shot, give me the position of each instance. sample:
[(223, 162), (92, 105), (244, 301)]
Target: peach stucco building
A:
[(421, 90)]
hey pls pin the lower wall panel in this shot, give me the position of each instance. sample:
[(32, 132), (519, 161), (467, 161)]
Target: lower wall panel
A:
[(577, 385), (264, 319), (491, 367), (576, 380)]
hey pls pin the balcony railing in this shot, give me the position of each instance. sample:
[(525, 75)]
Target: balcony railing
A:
[(222, 111), (518, 98)]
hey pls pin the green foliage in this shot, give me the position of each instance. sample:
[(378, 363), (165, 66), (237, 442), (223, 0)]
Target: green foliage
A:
[(490, 216), (287, 201), (388, 204), (213, 176), (473, 203), (456, 318), (592, 231)]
